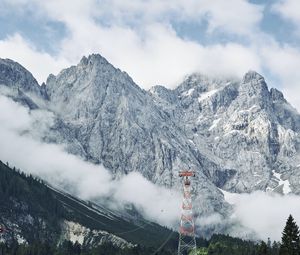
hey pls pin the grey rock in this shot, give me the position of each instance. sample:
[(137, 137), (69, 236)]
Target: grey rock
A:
[(242, 125), (14, 75), (120, 126)]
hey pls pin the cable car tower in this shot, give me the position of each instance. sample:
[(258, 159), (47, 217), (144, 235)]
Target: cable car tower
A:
[(187, 239)]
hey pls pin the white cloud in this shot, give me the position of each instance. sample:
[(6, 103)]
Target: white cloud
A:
[(137, 36), (284, 62), (162, 57), (41, 64), (264, 213), (162, 205), (152, 53), (219, 14), (288, 9)]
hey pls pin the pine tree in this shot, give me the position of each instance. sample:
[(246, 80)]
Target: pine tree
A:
[(275, 248), (290, 238), (263, 248), (269, 244)]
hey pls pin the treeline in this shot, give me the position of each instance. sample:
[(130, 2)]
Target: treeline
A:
[(69, 248), (226, 245)]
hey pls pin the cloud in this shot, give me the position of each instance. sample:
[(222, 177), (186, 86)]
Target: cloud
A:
[(140, 38), (150, 50), (289, 10), (162, 204), (70, 173), (218, 14), (41, 64), (159, 57), (284, 62), (264, 213), (162, 57)]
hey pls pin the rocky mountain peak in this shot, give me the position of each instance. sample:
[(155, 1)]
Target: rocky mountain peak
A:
[(277, 95), (162, 93), (202, 83), (253, 90), (94, 70), (13, 75), (252, 75), (87, 86), (93, 59)]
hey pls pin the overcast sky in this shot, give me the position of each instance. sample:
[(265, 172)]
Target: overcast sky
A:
[(158, 42)]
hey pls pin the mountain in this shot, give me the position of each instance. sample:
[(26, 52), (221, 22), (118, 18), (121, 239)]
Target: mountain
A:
[(119, 125), (242, 125), (32, 211), (238, 135)]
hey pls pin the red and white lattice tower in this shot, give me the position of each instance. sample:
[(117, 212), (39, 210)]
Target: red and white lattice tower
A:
[(187, 239)]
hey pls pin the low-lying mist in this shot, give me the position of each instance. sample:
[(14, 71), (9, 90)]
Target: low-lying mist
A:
[(265, 213)]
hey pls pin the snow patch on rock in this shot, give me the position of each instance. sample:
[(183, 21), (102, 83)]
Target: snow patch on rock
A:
[(207, 95), (284, 183)]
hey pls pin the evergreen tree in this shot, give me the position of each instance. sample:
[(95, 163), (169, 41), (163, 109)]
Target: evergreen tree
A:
[(275, 248), (290, 238), (269, 244), (263, 248)]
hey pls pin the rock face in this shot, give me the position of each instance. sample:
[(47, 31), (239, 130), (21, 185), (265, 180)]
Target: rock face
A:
[(17, 83), (236, 134), (75, 232), (119, 125), (14, 75), (242, 125)]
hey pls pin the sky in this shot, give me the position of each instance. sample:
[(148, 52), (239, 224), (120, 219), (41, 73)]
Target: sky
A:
[(158, 42)]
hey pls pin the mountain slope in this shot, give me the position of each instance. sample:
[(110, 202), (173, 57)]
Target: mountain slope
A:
[(30, 211)]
